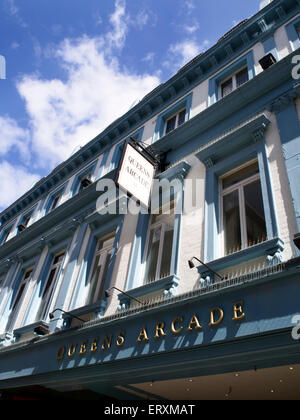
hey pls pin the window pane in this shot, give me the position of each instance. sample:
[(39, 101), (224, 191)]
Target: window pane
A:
[(181, 117), (167, 250), (255, 216), (152, 254), (170, 126), (26, 220), (48, 289), (107, 242), (6, 235), (226, 88), (94, 279), (49, 281), (55, 201), (231, 222), (240, 175), (21, 289), (100, 269), (242, 77), (105, 263)]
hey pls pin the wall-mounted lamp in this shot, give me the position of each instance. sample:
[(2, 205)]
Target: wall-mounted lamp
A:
[(85, 182), (297, 240), (51, 315), (42, 330), (192, 265), (107, 294), (267, 61)]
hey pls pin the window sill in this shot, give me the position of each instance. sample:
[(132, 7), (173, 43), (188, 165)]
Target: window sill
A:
[(29, 329), (167, 284), (89, 311), (271, 249)]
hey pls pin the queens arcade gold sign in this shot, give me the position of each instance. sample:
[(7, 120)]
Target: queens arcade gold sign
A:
[(143, 335)]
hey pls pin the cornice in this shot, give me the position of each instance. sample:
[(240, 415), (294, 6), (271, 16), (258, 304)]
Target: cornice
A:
[(258, 94), (230, 46), (283, 101)]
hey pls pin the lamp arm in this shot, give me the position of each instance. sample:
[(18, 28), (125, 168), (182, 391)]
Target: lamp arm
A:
[(210, 269)]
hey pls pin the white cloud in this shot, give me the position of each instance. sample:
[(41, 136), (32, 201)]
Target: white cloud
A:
[(64, 114), (191, 28), (15, 45), (149, 57), (97, 91), (10, 189), (181, 53), (119, 21), (12, 135)]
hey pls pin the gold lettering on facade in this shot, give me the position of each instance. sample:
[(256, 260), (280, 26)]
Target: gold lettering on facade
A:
[(60, 353), (83, 347), (106, 342), (238, 313), (143, 335), (213, 321), (72, 349), (94, 345), (121, 339), (178, 326), (159, 330), (176, 320), (194, 324)]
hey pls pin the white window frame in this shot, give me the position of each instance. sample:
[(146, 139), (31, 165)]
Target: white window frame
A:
[(176, 114), (16, 310), (242, 209), (234, 82), (167, 218), (103, 252), (6, 232), (45, 308), (54, 197)]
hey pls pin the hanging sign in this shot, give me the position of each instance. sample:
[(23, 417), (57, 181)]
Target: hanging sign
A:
[(136, 174)]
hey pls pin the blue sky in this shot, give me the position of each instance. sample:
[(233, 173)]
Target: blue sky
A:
[(74, 66)]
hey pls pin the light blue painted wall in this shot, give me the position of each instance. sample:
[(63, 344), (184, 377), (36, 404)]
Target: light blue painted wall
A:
[(289, 130)]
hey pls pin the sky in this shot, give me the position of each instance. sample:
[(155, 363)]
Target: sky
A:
[(74, 66)]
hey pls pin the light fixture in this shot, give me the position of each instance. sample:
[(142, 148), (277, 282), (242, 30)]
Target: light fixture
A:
[(267, 61), (42, 329), (21, 227), (85, 182), (51, 315), (192, 265), (107, 294), (228, 392), (297, 240)]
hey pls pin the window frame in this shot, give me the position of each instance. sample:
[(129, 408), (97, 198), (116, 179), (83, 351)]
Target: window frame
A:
[(44, 308), (160, 127), (100, 280), (15, 308), (152, 226), (246, 61), (242, 208), (292, 30), (229, 152), (90, 169), (49, 202), (233, 78), (176, 115), (5, 233), (28, 215)]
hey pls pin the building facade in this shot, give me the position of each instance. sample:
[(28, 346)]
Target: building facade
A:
[(200, 303)]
